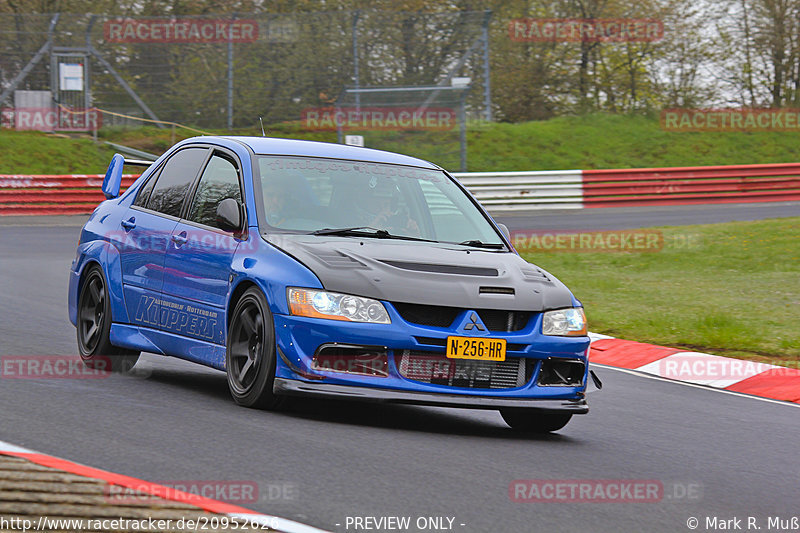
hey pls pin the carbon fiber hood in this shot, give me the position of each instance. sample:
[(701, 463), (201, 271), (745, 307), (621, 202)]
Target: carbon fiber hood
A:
[(425, 273)]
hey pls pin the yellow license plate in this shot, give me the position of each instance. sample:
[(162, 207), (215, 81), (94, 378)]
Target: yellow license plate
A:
[(476, 348)]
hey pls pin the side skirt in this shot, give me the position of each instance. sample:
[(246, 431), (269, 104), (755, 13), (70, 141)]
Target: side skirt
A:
[(162, 343)]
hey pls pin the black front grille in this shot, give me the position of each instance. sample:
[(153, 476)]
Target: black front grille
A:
[(435, 368), (504, 320), (428, 315), (432, 341), (443, 317)]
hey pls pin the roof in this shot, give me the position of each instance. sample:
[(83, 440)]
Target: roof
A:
[(273, 146)]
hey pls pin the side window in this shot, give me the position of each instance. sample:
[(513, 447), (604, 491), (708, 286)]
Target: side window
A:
[(219, 181), (175, 179), (144, 193)]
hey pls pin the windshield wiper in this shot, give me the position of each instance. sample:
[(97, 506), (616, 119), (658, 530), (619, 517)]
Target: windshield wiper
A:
[(480, 244), (355, 230), (366, 231)]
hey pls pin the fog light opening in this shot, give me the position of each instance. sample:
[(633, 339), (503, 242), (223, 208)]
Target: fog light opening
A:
[(562, 373), (348, 359)]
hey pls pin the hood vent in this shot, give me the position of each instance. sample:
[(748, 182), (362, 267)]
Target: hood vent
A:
[(533, 274), (496, 290), (338, 260), (443, 269)]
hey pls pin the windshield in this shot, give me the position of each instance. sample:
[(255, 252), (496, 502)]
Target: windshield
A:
[(311, 195)]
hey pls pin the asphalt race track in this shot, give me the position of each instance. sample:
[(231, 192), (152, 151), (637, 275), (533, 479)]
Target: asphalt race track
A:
[(715, 454), (642, 217)]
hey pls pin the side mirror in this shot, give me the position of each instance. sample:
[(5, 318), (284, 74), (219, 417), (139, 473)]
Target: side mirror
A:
[(113, 177), (504, 230), (229, 215)]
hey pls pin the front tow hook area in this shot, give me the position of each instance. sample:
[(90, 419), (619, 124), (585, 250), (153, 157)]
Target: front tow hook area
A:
[(596, 380)]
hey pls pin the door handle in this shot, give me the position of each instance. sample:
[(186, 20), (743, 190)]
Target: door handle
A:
[(129, 224), (180, 239)]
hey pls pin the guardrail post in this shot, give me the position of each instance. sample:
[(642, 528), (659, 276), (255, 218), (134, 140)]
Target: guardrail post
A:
[(462, 119)]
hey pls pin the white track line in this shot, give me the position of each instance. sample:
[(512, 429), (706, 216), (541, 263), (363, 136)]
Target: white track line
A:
[(8, 447), (696, 386)]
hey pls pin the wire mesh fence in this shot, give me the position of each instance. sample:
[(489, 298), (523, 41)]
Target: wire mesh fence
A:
[(393, 118), (225, 71)]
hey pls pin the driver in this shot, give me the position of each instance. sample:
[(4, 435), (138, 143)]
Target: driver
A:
[(385, 209)]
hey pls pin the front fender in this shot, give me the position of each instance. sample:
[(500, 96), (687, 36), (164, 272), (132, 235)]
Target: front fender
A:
[(107, 257), (271, 269)]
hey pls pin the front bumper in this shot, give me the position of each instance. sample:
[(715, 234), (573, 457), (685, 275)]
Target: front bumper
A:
[(298, 338), (354, 392)]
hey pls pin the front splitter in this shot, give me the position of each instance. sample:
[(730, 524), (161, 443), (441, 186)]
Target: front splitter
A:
[(347, 392)]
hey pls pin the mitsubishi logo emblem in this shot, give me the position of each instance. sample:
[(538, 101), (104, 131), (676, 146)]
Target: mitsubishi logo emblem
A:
[(474, 322)]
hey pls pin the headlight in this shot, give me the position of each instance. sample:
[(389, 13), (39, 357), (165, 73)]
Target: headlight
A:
[(565, 322), (335, 306)]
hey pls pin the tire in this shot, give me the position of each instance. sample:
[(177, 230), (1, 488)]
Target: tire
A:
[(94, 327), (250, 355), (533, 421)]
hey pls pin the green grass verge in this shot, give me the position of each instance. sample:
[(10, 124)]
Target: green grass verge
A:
[(620, 141), (39, 153), (730, 289), (576, 142)]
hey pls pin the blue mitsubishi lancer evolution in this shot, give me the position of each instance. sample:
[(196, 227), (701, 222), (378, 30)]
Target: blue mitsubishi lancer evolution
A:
[(315, 269)]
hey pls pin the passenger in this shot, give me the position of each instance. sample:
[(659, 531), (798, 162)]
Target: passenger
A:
[(276, 202)]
